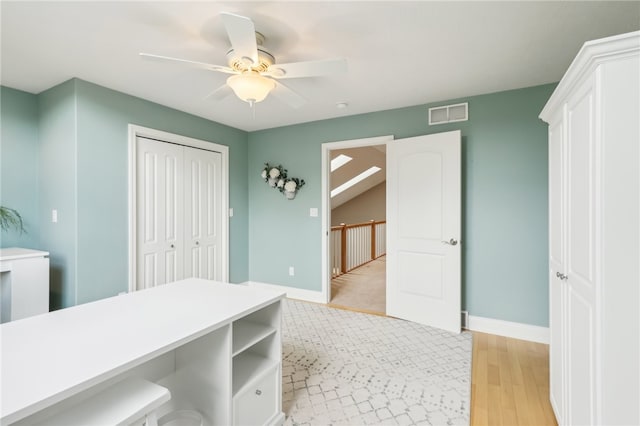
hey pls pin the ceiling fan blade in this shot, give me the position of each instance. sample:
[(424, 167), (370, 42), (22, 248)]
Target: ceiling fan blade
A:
[(210, 67), (220, 93), (287, 95), (307, 69), (242, 35)]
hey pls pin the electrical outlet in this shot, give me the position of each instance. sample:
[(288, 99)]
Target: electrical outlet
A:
[(291, 271)]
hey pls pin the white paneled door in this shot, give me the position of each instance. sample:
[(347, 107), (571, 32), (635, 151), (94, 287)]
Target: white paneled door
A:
[(202, 221), (580, 267), (423, 230), (178, 214), (557, 291)]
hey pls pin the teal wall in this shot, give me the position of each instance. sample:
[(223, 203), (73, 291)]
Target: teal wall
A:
[(80, 168), (58, 180), (79, 131), (103, 118), (19, 153), (504, 199)]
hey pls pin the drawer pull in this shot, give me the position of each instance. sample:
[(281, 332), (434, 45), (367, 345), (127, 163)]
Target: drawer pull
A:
[(258, 392)]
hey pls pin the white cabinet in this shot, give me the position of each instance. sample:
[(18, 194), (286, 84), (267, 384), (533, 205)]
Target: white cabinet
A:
[(24, 283), (594, 235), (257, 402)]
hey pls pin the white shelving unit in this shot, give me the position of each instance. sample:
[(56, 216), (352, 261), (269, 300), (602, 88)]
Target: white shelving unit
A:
[(246, 333), (215, 347), (256, 366)]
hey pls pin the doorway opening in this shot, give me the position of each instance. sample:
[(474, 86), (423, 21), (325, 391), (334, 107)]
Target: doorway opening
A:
[(354, 204), (423, 229), (358, 228)]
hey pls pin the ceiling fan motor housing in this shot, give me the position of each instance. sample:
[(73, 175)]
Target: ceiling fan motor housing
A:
[(239, 63)]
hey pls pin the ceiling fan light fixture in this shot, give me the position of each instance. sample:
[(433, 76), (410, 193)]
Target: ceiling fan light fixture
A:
[(250, 86)]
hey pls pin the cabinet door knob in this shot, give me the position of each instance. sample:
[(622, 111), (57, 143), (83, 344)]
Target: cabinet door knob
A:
[(258, 392), (172, 246), (197, 243)]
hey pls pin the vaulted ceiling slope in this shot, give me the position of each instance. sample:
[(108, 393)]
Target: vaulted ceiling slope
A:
[(399, 53), (361, 159)]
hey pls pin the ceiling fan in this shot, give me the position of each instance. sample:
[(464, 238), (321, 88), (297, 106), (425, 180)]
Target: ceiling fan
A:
[(255, 71)]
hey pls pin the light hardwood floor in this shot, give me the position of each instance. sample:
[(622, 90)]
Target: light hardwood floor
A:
[(509, 382)]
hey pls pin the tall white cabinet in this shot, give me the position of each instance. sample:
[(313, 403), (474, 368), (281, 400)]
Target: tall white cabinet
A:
[(594, 239)]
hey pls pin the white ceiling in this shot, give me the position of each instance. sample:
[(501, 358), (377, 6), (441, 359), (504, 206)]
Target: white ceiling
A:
[(399, 53)]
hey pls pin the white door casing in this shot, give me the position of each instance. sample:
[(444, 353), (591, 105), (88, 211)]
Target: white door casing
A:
[(424, 230), (178, 234)]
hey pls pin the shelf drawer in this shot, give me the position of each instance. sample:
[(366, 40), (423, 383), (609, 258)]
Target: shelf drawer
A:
[(256, 404)]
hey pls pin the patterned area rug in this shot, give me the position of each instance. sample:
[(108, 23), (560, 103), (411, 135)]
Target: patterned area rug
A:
[(347, 368)]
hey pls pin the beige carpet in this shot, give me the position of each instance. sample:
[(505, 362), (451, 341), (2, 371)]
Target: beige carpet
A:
[(364, 288)]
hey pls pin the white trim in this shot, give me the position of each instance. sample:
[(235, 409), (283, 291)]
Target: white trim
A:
[(591, 55), (136, 131), (326, 203), (292, 292), (516, 330)]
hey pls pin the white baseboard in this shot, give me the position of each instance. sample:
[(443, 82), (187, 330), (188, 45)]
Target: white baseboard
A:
[(292, 292), (515, 330)]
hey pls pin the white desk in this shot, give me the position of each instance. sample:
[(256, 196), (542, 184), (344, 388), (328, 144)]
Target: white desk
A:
[(187, 336), (24, 283)]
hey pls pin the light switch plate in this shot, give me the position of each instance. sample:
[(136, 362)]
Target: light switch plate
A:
[(313, 212), (231, 212)]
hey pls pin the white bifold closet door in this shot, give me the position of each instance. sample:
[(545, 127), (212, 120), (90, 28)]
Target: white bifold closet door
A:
[(178, 215)]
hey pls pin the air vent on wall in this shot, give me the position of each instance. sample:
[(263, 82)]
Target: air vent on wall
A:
[(449, 113)]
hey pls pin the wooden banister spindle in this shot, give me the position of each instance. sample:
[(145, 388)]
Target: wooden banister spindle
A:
[(373, 239), (343, 248)]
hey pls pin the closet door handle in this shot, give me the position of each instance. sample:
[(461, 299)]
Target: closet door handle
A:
[(561, 276)]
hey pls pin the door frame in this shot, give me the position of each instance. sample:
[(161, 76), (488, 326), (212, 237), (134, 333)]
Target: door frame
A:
[(327, 147), (136, 131)]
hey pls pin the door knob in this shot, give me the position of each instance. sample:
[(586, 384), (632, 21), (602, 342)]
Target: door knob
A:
[(451, 242), (561, 276), (197, 243)]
